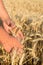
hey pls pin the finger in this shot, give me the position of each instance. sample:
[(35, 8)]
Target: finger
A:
[(9, 30), (20, 34), (7, 47), (13, 25), (6, 27), (10, 23), (20, 51), (21, 46)]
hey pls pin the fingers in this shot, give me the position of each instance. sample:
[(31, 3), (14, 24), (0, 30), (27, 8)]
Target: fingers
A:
[(20, 34), (19, 50), (13, 25), (10, 23), (9, 26), (18, 46), (6, 27)]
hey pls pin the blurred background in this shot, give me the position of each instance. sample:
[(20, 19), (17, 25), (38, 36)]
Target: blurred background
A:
[(28, 16)]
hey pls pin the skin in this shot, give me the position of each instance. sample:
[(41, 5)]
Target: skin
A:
[(8, 41), (5, 38)]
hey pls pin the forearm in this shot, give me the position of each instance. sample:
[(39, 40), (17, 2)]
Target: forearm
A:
[(3, 12)]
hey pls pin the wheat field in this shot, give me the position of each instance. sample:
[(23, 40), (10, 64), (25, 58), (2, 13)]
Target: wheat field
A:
[(28, 16)]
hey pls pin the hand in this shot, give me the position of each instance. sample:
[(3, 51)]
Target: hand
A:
[(13, 43), (18, 46), (9, 42), (8, 26)]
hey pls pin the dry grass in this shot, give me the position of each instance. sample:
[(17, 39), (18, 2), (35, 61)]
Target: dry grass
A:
[(28, 16), (22, 9)]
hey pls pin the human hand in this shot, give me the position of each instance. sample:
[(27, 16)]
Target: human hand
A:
[(17, 33), (17, 46), (12, 27), (8, 25), (9, 42)]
